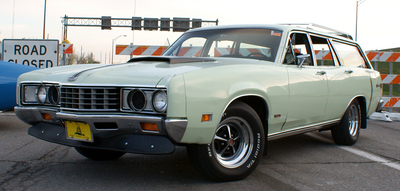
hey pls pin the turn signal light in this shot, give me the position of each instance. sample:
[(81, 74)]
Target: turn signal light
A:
[(149, 126), (46, 116)]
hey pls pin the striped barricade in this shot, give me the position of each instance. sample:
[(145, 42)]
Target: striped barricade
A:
[(391, 79), (384, 56), (139, 50), (391, 101)]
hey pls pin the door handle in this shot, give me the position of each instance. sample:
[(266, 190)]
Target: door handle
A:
[(348, 71), (321, 73)]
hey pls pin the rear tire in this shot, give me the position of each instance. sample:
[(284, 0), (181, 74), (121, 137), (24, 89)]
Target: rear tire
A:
[(99, 154), (348, 130), (236, 148)]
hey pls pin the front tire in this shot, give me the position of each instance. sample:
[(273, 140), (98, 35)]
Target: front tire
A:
[(99, 154), (348, 130), (236, 148)]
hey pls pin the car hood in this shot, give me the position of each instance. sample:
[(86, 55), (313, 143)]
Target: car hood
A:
[(146, 71)]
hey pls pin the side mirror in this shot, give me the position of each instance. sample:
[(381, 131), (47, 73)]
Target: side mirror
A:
[(302, 59)]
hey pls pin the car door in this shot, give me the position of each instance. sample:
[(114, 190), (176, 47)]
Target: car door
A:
[(357, 70), (308, 89), (339, 78)]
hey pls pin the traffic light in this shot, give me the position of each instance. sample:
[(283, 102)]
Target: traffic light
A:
[(150, 24), (106, 23), (180, 24), (196, 23), (165, 24), (136, 23)]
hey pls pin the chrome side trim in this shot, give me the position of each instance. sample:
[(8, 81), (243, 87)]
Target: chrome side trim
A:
[(303, 129), (176, 128)]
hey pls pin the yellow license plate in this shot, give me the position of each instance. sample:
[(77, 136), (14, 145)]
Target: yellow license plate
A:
[(78, 131)]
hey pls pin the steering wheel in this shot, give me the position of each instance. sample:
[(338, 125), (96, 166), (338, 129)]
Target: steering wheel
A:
[(257, 53)]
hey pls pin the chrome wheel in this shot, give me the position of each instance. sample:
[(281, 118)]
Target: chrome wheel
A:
[(348, 130), (354, 120), (235, 148), (233, 142)]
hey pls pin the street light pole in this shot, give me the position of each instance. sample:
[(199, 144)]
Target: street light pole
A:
[(358, 3), (112, 48)]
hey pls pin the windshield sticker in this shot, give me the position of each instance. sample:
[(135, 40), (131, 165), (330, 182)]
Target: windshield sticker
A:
[(276, 33)]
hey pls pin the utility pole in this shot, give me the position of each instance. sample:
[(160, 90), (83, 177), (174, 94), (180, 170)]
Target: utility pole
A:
[(44, 20), (359, 2)]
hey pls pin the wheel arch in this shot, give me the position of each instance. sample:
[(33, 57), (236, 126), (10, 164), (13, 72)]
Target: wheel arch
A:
[(260, 106), (363, 104)]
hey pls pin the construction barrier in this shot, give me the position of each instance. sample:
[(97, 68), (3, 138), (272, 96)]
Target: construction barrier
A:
[(376, 56), (391, 101), (144, 50), (391, 79), (384, 56), (139, 50)]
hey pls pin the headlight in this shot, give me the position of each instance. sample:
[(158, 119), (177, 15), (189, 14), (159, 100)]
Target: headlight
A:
[(137, 100), (30, 94), (160, 101), (42, 94), (53, 95)]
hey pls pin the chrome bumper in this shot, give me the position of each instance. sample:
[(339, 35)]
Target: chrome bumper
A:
[(126, 124), (380, 105)]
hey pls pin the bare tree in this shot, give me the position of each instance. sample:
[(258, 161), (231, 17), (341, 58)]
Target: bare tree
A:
[(83, 58), (90, 58), (71, 59)]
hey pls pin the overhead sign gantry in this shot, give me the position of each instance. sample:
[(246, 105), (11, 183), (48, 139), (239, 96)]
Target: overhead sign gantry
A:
[(177, 24)]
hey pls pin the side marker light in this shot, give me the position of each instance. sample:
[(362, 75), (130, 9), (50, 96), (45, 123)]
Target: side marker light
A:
[(206, 117)]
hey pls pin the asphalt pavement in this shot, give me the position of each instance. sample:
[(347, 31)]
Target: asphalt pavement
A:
[(303, 162)]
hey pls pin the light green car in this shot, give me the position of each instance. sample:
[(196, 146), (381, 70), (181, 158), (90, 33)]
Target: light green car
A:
[(220, 91)]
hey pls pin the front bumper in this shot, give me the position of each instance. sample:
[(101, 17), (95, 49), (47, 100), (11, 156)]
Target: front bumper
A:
[(125, 133)]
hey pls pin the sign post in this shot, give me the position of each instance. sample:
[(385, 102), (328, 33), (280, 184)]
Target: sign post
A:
[(31, 52)]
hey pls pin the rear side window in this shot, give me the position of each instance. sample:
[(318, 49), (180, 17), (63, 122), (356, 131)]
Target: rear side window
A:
[(323, 51), (349, 55)]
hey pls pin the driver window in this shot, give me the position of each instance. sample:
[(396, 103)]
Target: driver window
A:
[(298, 46)]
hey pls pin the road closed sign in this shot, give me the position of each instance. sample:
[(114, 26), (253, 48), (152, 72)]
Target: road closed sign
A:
[(31, 52)]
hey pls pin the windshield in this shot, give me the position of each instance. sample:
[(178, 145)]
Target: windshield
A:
[(239, 43)]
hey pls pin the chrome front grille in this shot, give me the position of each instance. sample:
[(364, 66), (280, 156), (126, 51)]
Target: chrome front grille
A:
[(90, 98)]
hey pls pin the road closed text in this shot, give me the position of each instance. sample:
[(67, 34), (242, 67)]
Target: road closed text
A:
[(36, 53)]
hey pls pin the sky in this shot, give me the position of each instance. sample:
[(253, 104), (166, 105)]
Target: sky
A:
[(377, 28)]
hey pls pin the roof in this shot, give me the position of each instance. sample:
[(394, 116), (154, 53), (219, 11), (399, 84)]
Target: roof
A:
[(286, 27)]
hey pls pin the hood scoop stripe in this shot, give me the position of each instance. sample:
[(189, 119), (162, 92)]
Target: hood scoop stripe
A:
[(172, 59)]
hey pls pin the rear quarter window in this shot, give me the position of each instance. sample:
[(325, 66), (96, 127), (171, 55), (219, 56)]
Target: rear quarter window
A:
[(349, 55)]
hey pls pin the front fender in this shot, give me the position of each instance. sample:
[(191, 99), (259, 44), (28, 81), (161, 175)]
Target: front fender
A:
[(212, 94)]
